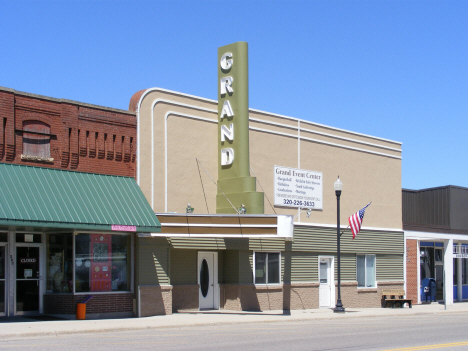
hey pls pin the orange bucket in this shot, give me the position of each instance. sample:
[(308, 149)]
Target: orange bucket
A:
[(81, 311)]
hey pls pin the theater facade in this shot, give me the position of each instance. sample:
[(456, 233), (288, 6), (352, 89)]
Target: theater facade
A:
[(247, 206)]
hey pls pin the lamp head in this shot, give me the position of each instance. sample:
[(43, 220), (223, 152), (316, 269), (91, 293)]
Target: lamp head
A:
[(338, 185)]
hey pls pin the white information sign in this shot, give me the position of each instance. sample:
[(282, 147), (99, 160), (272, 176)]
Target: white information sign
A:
[(461, 255), (298, 188), (27, 273)]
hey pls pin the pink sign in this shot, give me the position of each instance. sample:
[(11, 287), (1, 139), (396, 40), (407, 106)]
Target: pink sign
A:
[(124, 228)]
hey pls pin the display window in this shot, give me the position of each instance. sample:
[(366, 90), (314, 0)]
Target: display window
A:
[(102, 262), (2, 278), (60, 262), (84, 263), (464, 268)]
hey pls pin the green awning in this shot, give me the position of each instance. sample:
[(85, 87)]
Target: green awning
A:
[(40, 197)]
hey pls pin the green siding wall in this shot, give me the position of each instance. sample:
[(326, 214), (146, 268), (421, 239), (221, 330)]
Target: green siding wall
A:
[(221, 260), (270, 244), (389, 267), (198, 243), (319, 239), (245, 267), (184, 267), (231, 267), (348, 268), (267, 244), (152, 261), (299, 258), (304, 267)]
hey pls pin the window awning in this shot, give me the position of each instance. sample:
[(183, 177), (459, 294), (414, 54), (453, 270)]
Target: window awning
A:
[(37, 197)]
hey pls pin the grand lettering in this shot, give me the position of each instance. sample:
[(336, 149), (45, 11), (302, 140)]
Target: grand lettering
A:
[(226, 89)]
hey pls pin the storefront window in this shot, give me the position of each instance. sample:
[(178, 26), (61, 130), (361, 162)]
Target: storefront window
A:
[(464, 271), (365, 271), (426, 262), (60, 262), (455, 272), (2, 279), (267, 268), (102, 262)]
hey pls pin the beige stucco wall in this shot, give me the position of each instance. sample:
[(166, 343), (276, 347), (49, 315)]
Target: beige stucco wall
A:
[(175, 129)]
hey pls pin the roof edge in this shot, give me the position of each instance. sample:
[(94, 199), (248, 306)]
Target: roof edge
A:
[(140, 95), (58, 100)]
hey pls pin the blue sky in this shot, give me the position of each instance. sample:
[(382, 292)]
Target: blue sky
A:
[(391, 69)]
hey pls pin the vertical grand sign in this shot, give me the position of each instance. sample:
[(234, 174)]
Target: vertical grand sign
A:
[(234, 181)]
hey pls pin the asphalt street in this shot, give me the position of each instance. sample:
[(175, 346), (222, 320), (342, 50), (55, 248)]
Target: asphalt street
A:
[(421, 328), (411, 332)]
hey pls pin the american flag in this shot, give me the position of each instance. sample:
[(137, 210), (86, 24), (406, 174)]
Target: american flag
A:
[(355, 220)]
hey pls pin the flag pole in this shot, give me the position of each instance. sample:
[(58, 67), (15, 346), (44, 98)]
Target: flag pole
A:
[(344, 230)]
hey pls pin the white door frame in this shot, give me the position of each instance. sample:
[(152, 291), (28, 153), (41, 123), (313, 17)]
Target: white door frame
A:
[(214, 271), (331, 279)]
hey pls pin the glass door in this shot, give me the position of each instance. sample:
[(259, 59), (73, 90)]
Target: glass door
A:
[(439, 272), (27, 279), (2, 280)]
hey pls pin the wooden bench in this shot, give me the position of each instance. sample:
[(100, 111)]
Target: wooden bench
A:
[(394, 296)]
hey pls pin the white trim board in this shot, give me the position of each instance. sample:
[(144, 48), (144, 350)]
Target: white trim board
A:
[(434, 236)]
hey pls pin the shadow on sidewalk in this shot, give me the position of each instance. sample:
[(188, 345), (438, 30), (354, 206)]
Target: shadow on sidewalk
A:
[(25, 319), (239, 313)]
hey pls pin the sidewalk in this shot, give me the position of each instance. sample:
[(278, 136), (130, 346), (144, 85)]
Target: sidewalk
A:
[(19, 326)]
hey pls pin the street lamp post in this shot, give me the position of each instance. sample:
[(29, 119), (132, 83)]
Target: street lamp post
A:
[(338, 187)]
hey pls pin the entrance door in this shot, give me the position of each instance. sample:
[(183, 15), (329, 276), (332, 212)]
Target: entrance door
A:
[(2, 280), (439, 273), (27, 279), (326, 282), (207, 280)]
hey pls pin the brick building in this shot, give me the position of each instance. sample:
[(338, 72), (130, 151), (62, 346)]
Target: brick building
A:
[(436, 233), (57, 133), (70, 207)]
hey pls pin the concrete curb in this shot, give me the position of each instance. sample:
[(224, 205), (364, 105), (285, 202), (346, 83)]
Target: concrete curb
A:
[(197, 319)]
